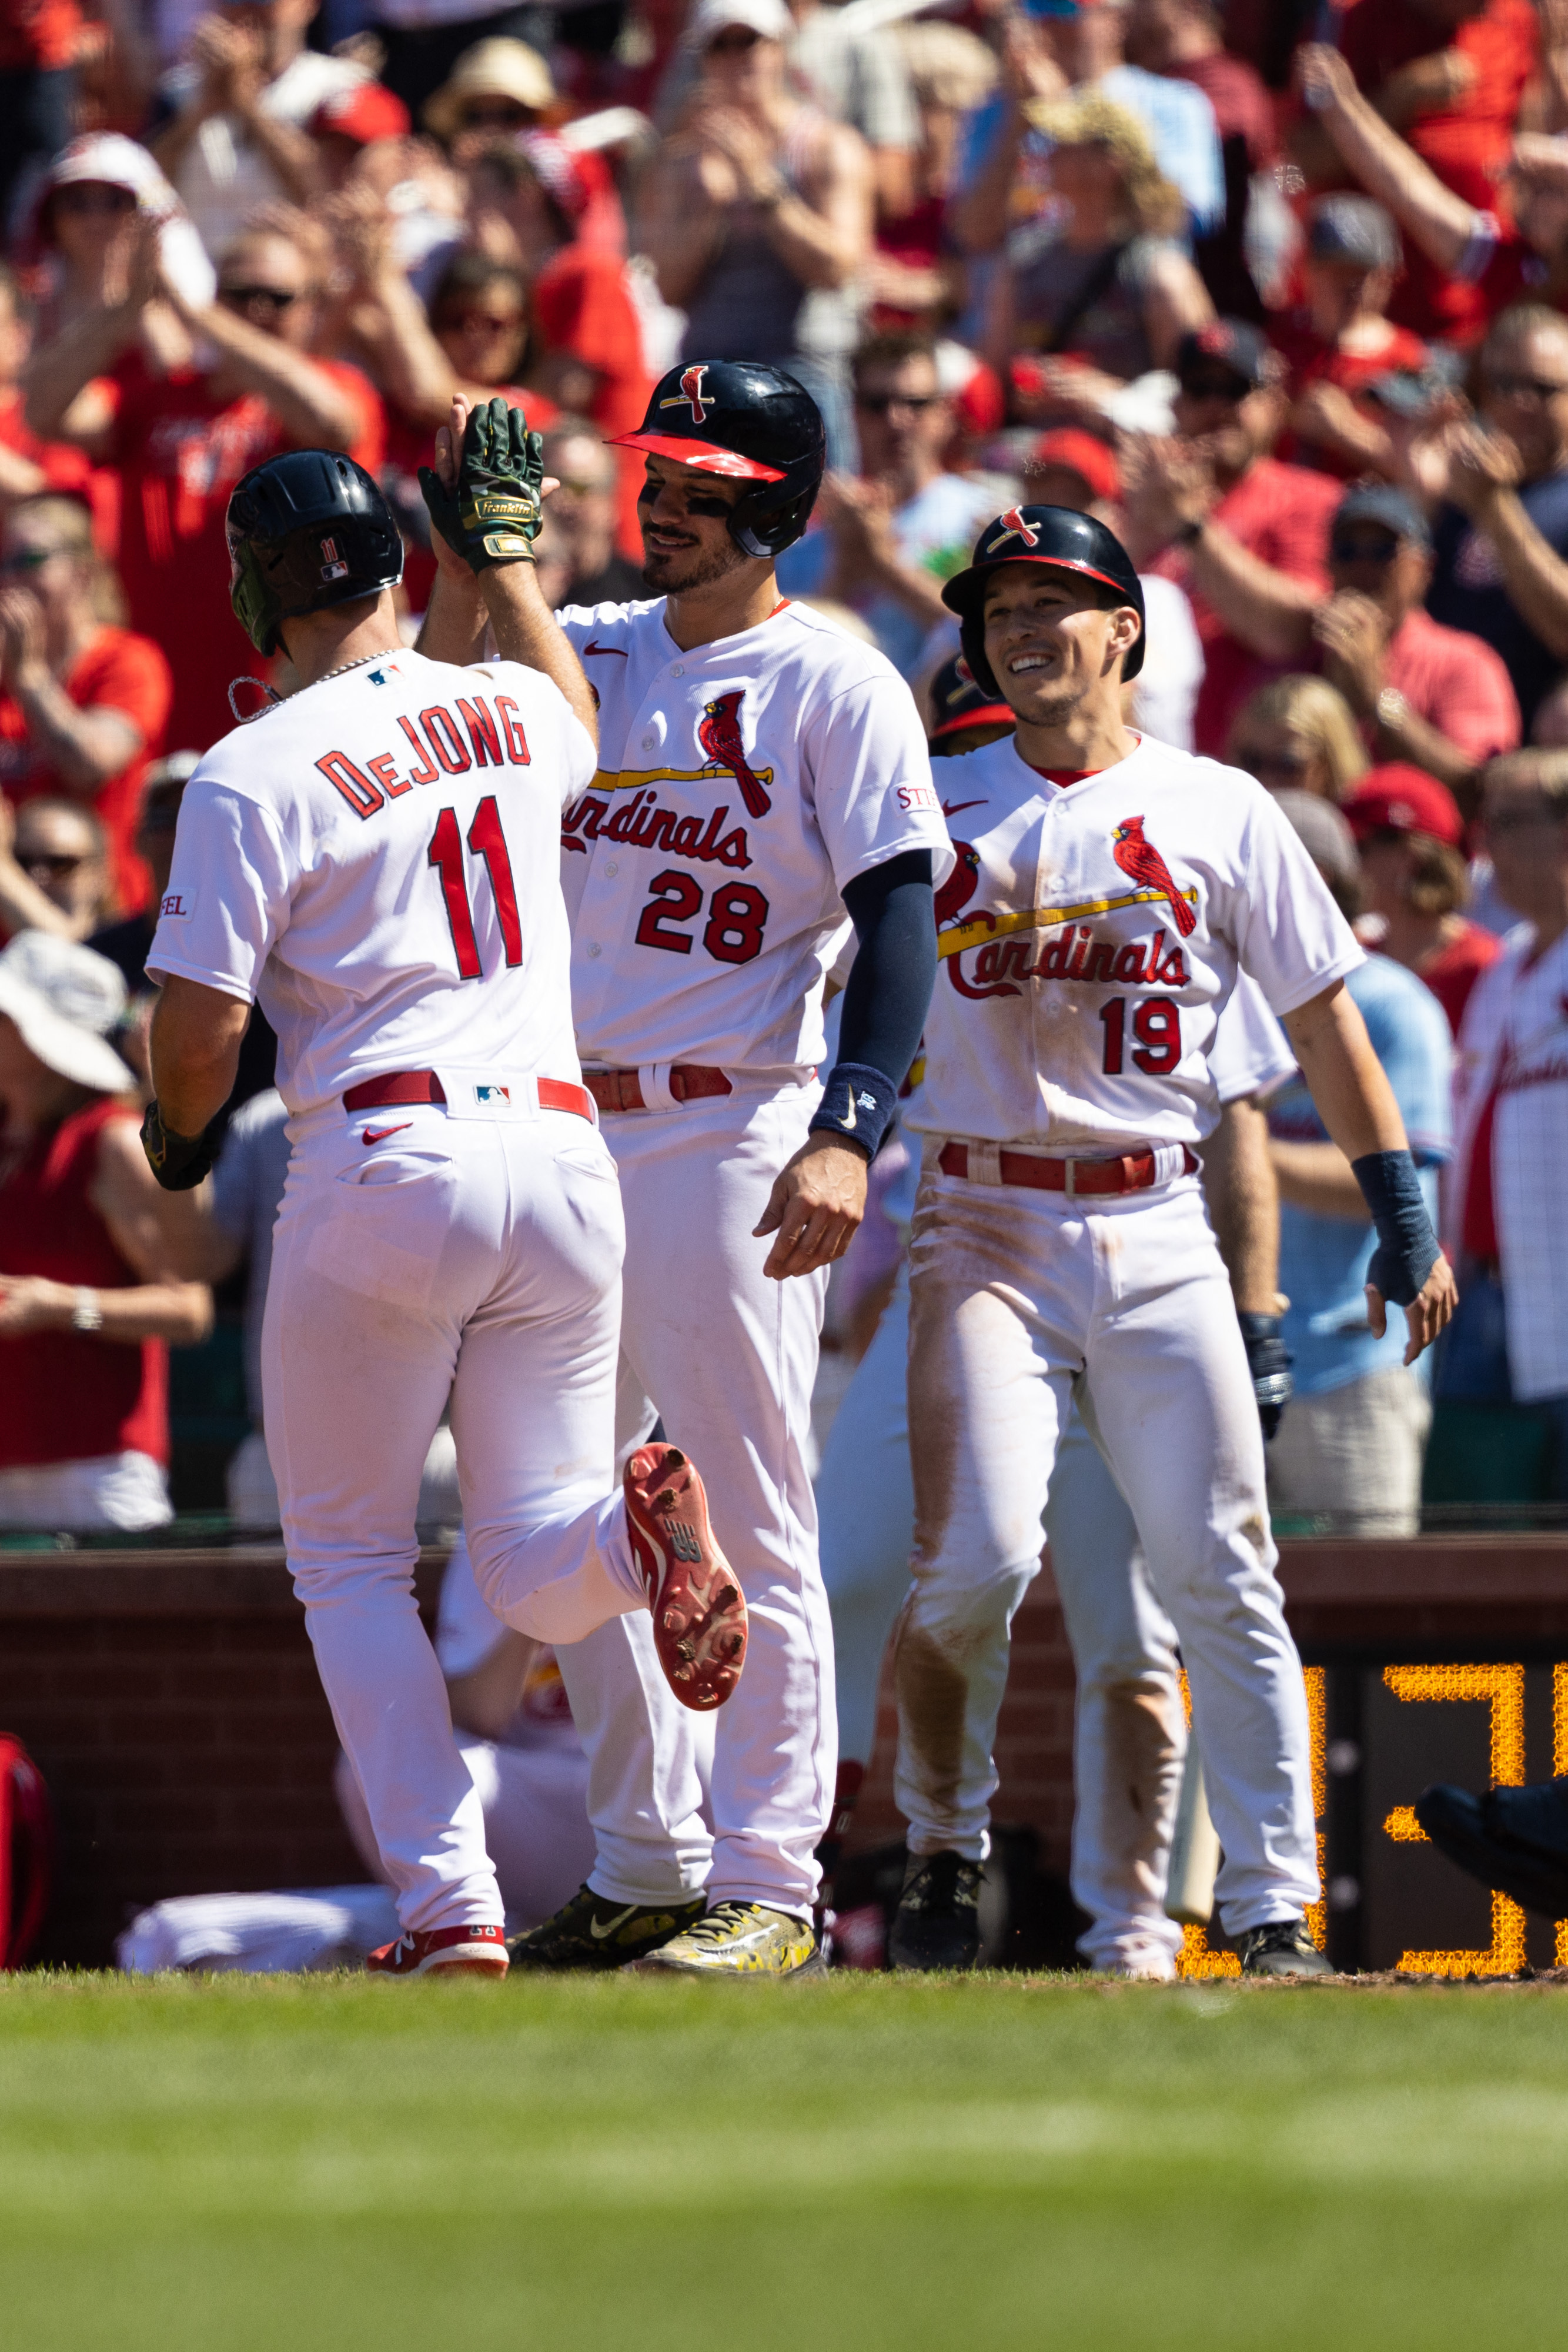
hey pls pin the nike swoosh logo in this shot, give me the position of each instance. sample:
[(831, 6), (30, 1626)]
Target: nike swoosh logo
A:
[(599, 1933), (593, 646), (849, 1114), (379, 1134)]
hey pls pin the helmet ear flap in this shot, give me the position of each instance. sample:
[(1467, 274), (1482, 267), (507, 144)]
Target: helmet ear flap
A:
[(972, 638)]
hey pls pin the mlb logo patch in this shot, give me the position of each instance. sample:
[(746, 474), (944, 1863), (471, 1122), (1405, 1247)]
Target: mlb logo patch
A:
[(332, 564), (493, 1093)]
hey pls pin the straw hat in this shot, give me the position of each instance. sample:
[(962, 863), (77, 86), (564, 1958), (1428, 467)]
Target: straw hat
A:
[(496, 68)]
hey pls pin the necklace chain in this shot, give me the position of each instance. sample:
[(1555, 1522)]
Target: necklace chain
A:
[(343, 667)]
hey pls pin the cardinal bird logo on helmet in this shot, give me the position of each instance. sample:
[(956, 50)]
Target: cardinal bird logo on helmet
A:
[(719, 733), (1141, 860), (692, 394), (1012, 525)]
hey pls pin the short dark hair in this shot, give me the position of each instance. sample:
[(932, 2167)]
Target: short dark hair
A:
[(890, 351), (470, 273)]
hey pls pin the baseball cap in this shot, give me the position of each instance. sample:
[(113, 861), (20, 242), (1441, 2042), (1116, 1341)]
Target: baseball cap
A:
[(363, 112), (1234, 343), (1399, 798), (63, 1000), (1381, 502), (770, 20), (1353, 229), (1079, 453), (959, 702), (1321, 831)]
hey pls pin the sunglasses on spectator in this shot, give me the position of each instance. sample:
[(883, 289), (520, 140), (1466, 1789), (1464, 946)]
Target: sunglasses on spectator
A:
[(1364, 551), (734, 43), (497, 114), (1215, 387), (85, 196), (27, 559), (1524, 387), (57, 866), (579, 486), (877, 403), (245, 298), (1293, 764)]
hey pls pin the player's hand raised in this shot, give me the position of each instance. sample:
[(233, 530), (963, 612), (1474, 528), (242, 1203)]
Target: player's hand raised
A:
[(1426, 1314), (815, 1207)]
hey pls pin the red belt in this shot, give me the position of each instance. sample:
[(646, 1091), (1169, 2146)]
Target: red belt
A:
[(424, 1086), (1134, 1172), (622, 1089)]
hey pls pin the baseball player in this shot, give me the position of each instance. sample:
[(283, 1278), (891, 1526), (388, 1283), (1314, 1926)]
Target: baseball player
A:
[(1129, 1733), (1061, 1245), (376, 862), (763, 783)]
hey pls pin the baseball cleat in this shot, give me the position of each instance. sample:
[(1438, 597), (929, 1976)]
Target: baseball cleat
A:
[(693, 1594), (1281, 1948), (739, 1939), (595, 1931), (937, 1923), (472, 1951), (1514, 1840)]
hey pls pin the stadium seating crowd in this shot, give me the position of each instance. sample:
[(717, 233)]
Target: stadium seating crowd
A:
[(1282, 293)]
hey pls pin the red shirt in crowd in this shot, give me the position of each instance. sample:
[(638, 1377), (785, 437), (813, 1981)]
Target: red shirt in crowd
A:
[(1281, 515), (181, 449), (1456, 968), (69, 1397), (1311, 359), (583, 304), (408, 447), (39, 34), (63, 467), (117, 671), (1457, 683), (1467, 141)]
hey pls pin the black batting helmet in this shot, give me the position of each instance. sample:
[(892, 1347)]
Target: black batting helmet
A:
[(306, 530), (957, 705), (1056, 535), (748, 422)]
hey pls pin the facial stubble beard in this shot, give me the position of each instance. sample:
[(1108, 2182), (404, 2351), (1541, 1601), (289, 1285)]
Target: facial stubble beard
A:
[(707, 567)]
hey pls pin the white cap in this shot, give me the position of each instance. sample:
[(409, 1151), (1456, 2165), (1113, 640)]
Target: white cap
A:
[(771, 18), (116, 162), (63, 1000)]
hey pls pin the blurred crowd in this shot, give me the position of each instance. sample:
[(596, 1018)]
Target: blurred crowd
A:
[(1281, 293)]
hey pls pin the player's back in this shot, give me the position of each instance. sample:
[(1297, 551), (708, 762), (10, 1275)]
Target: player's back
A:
[(377, 861)]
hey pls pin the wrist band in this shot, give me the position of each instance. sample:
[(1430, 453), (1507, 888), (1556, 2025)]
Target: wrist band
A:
[(858, 1106), (1268, 1361), (1406, 1246)]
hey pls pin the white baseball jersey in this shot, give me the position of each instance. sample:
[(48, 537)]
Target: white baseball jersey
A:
[(375, 861), (1090, 934), (740, 786)]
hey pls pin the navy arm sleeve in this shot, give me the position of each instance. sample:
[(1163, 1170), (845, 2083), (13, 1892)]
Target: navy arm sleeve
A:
[(887, 998)]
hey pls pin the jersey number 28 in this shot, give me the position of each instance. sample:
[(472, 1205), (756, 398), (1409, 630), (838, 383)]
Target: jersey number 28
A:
[(486, 840)]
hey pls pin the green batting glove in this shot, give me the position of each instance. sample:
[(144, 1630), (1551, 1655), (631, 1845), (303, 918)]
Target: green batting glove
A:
[(494, 513)]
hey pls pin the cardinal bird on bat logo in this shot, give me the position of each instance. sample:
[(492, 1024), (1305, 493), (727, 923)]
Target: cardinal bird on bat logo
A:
[(1141, 860), (1012, 525), (691, 391), (719, 733)]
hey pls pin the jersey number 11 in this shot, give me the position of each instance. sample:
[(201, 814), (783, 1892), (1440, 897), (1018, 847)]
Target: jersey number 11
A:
[(486, 840)]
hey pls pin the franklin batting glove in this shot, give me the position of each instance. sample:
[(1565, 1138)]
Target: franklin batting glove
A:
[(1268, 1361), (495, 514), (179, 1161)]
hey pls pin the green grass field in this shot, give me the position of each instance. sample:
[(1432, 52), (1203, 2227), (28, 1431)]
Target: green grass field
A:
[(245, 2164)]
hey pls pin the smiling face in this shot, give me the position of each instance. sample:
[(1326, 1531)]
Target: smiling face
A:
[(1052, 643), (685, 538)]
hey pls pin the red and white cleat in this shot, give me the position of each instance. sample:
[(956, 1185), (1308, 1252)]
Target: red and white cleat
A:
[(698, 1610), (473, 1951)]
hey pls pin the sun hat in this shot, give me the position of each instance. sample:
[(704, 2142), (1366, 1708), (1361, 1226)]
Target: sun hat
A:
[(770, 19), (110, 159), (64, 999), (492, 69)]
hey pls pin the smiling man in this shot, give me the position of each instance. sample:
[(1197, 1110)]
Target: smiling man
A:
[(763, 784), (1061, 1245)]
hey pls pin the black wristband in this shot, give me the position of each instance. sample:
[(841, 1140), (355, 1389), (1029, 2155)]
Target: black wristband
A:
[(858, 1106), (1406, 1246), (179, 1161), (1268, 1361)]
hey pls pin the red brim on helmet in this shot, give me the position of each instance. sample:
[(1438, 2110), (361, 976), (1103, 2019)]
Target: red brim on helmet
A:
[(701, 455), (969, 580), (985, 714)]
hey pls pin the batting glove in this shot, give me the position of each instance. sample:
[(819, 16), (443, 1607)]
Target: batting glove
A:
[(493, 515), (1268, 1361), (179, 1161)]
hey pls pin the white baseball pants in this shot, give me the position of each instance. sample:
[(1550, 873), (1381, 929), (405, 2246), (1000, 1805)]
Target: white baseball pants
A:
[(1129, 1735), (478, 1256), (728, 1359), (1016, 1296)]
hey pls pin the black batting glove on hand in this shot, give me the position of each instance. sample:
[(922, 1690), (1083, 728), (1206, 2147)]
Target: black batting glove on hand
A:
[(179, 1161), (494, 514), (1268, 1361)]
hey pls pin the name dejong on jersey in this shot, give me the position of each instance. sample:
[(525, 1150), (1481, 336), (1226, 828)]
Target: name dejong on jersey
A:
[(376, 861), (740, 786), (1089, 936)]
